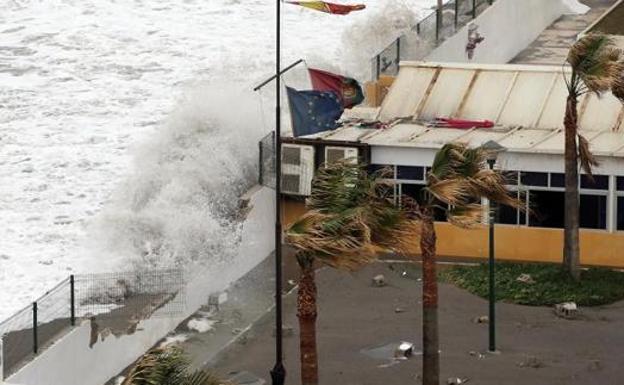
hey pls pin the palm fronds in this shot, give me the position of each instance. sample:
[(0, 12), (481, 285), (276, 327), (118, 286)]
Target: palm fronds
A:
[(352, 218), (460, 177), (168, 366), (587, 159), (596, 66)]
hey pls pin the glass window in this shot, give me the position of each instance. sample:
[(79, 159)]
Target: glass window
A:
[(620, 183), (379, 167), (410, 173), (600, 182), (511, 216), (511, 177), (413, 191), (534, 178), (547, 209), (620, 213), (593, 214), (557, 180)]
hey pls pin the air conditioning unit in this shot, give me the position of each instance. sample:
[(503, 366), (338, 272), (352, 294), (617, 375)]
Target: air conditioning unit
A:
[(334, 154), (297, 169)]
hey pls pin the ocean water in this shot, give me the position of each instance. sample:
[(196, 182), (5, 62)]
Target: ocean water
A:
[(128, 128)]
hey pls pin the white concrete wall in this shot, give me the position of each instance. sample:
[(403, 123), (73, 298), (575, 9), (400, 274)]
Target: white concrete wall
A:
[(70, 361), (508, 26)]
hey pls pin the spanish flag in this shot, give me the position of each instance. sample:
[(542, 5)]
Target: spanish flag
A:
[(323, 6)]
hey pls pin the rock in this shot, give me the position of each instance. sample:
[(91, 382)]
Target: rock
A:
[(525, 278), (456, 381), (404, 350), (481, 320), (567, 310), (379, 281)]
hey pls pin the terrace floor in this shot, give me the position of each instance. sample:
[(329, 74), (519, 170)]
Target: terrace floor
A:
[(552, 45), (537, 347)]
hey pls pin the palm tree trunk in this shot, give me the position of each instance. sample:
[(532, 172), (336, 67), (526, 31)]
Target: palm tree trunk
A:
[(306, 312), (431, 354), (571, 252)]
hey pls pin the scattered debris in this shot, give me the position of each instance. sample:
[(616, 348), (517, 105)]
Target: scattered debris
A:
[(525, 278), (476, 354), (236, 331), (215, 300), (594, 365), (481, 320), (404, 350), (201, 325), (287, 331), (379, 280), (567, 310), (292, 282), (457, 381), (531, 362), (399, 310), (174, 340)]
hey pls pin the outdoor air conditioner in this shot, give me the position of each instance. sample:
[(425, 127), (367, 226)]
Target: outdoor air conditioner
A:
[(297, 169), (334, 154)]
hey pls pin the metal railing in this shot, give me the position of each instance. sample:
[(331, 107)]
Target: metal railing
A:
[(427, 34), (100, 298)]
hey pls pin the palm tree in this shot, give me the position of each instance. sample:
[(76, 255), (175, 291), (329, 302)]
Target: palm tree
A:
[(168, 366), (458, 179), (351, 218), (596, 66)]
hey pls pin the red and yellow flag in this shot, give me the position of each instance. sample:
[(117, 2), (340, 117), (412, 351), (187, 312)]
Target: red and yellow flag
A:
[(323, 6)]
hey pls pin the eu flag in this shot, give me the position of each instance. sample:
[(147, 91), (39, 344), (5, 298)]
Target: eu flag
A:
[(313, 111)]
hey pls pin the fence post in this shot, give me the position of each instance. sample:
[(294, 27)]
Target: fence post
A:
[(456, 13), (378, 65), (438, 23), (72, 299), (474, 9), (35, 336), (260, 163), (398, 52)]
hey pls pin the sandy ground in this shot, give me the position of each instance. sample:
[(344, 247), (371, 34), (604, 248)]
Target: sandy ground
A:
[(536, 347)]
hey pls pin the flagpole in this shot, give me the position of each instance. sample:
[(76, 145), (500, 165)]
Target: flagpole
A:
[(278, 373)]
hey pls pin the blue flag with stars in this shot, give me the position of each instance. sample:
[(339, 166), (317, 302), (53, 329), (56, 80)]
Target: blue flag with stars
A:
[(313, 111)]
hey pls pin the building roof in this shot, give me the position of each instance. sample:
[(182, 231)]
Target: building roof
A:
[(527, 104)]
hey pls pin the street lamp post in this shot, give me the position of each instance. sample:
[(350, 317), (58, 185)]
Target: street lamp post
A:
[(493, 149), (278, 373)]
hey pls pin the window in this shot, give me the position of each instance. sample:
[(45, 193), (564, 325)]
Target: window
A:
[(379, 167), (620, 213), (599, 182), (410, 173), (620, 183), (593, 213), (547, 209), (534, 178), (511, 216), (557, 180), (413, 191)]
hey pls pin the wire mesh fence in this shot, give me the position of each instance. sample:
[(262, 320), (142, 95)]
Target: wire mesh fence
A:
[(428, 33), (266, 172), (114, 303)]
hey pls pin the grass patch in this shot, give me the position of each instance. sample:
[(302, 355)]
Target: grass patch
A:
[(598, 286)]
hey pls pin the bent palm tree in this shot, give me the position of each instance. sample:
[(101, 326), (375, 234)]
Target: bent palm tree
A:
[(458, 179), (351, 219), (168, 366), (596, 66)]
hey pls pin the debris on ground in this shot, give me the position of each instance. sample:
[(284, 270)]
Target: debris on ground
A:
[(245, 378), (567, 310), (379, 280), (399, 310), (594, 365), (531, 362), (216, 300), (404, 350), (481, 319), (456, 381), (525, 278), (476, 354)]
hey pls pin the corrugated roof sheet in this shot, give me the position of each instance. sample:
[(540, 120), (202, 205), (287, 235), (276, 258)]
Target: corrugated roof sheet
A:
[(527, 103)]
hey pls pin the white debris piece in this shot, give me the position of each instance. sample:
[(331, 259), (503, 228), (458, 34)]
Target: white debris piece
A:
[(567, 310), (201, 325)]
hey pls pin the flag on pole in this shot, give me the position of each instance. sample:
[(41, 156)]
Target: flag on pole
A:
[(348, 90), (313, 111), (323, 6)]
